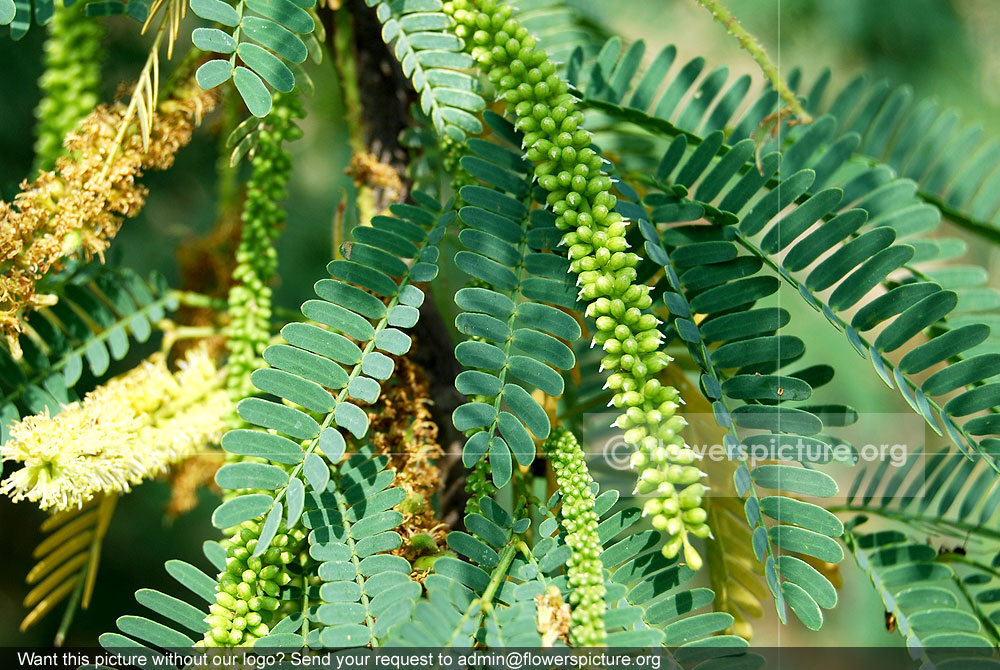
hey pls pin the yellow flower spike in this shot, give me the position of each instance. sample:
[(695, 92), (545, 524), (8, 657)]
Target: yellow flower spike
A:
[(130, 429)]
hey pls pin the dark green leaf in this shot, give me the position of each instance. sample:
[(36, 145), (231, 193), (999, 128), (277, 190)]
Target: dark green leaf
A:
[(915, 319)]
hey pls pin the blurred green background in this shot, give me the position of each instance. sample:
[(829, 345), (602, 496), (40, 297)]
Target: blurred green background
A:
[(944, 48)]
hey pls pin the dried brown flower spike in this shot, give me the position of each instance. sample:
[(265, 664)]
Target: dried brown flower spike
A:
[(78, 208)]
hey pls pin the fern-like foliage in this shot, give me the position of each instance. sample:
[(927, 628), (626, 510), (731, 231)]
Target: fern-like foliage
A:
[(307, 370), (953, 165), (432, 58), (940, 595), (184, 620), (493, 598), (18, 14), (857, 212), (264, 38), (97, 317), (749, 369), (355, 321), (515, 331), (364, 590), (463, 595)]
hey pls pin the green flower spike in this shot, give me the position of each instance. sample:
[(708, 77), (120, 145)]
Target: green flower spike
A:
[(586, 573), (256, 257), (71, 81), (579, 194)]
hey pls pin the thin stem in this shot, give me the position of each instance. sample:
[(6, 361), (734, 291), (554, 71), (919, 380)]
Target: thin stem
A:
[(193, 299), (963, 221), (69, 613), (752, 46), (499, 573), (345, 62), (152, 63)]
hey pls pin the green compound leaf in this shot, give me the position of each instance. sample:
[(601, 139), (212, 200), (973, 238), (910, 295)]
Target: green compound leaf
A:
[(122, 307), (432, 59), (308, 372), (861, 225), (350, 530)]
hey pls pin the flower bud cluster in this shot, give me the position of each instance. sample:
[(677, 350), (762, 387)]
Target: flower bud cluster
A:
[(256, 257), (579, 194), (247, 595), (585, 571)]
